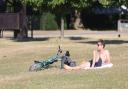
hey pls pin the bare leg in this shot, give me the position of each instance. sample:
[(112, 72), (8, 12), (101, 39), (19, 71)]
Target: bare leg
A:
[(84, 65), (71, 68)]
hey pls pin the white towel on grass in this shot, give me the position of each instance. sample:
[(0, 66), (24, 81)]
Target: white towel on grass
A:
[(103, 66)]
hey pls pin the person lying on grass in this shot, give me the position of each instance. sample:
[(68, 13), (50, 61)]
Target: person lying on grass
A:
[(101, 57)]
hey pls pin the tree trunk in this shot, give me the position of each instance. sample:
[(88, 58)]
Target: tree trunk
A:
[(23, 22), (62, 27)]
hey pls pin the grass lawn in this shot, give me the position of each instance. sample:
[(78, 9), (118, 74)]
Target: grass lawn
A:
[(16, 57)]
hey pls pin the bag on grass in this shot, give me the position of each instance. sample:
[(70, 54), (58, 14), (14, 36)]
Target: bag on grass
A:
[(66, 60)]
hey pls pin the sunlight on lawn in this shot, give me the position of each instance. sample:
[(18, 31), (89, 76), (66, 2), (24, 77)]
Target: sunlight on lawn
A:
[(16, 57)]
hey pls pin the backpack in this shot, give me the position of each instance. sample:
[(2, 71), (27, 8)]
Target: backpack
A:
[(66, 60)]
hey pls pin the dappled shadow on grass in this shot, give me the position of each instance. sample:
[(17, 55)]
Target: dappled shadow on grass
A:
[(31, 39), (107, 42), (77, 38), (45, 39)]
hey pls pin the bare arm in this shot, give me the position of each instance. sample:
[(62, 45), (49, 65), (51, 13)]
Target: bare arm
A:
[(107, 57), (94, 58)]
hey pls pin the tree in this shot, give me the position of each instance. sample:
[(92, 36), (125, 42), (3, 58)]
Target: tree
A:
[(59, 6), (76, 5), (64, 6)]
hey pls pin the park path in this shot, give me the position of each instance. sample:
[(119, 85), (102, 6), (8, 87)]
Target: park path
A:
[(75, 33), (67, 33)]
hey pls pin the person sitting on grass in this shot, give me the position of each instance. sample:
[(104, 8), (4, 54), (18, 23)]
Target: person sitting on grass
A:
[(101, 57)]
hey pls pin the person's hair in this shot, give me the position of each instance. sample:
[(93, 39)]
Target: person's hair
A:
[(102, 42)]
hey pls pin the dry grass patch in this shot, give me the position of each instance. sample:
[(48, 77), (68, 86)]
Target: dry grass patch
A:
[(16, 57)]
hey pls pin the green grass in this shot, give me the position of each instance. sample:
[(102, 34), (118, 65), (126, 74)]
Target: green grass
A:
[(16, 57)]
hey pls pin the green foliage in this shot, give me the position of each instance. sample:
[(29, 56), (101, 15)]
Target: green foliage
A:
[(79, 4), (53, 3), (76, 4), (105, 2), (48, 22), (34, 3), (114, 2), (35, 22)]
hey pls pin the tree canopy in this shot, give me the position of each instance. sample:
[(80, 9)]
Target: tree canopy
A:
[(74, 3), (114, 2), (53, 3)]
